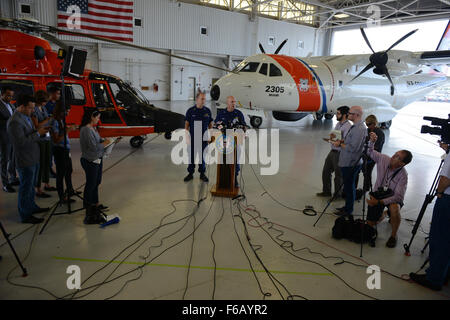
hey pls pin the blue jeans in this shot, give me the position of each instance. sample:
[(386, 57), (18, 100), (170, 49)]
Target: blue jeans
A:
[(192, 154), (26, 204), (348, 177), (440, 242), (93, 173)]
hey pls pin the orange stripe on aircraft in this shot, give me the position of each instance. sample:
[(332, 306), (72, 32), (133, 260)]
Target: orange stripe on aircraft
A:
[(309, 96)]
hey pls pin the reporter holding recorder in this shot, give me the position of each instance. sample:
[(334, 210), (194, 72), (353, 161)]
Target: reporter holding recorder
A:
[(92, 150), (390, 187)]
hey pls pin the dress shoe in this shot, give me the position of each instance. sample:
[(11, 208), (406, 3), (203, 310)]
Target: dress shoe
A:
[(50, 188), (33, 220), (423, 281), (43, 195), (189, 177), (9, 189), (40, 210), (323, 194), (204, 178)]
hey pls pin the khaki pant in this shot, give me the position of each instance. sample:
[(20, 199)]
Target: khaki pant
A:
[(330, 166)]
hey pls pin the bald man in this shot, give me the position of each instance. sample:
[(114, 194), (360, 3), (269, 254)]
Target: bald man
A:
[(230, 117), (350, 160)]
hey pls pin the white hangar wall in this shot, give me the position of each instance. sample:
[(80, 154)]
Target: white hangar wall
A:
[(169, 25)]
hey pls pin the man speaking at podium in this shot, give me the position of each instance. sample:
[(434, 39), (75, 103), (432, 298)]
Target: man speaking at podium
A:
[(231, 117)]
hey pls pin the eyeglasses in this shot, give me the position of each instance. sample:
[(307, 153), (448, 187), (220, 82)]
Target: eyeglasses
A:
[(369, 124)]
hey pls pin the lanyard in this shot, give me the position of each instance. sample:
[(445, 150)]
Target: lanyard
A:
[(386, 180)]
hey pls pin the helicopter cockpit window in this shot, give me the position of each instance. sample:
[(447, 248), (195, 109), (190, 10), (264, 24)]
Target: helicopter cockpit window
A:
[(74, 92), (274, 71), (104, 104), (18, 86), (250, 67)]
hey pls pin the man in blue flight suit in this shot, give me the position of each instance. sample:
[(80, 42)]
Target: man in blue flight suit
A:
[(197, 115), (230, 117)]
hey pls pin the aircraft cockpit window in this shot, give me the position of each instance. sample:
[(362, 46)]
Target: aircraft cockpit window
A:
[(74, 92), (274, 71), (250, 67), (104, 104), (263, 69), (18, 86)]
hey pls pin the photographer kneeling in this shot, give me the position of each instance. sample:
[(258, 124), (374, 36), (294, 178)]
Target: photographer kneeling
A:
[(392, 180)]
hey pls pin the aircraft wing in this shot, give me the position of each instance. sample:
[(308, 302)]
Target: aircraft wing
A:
[(433, 58)]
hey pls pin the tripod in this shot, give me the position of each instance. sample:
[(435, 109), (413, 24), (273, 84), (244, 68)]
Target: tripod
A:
[(428, 199), (364, 168), (69, 211), (6, 235)]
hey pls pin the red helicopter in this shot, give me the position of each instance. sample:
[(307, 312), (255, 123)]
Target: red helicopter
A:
[(28, 64)]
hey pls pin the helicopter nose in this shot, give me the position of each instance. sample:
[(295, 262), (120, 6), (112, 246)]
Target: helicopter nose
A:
[(215, 92)]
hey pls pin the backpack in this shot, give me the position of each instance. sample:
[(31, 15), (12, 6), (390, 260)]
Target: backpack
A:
[(345, 228)]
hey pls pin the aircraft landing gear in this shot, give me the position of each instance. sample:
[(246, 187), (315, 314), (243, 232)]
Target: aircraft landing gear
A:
[(386, 125), (255, 122), (319, 116), (168, 135), (136, 142), (329, 116)]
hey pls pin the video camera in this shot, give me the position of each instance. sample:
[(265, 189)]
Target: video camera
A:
[(441, 128), (235, 124)]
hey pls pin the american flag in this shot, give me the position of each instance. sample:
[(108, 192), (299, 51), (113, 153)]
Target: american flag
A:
[(110, 19)]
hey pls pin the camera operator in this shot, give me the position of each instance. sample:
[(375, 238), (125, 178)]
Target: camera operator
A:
[(392, 180), (352, 147), (231, 116), (439, 271)]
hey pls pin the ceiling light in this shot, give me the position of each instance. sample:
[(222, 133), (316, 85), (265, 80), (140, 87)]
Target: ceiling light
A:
[(341, 15)]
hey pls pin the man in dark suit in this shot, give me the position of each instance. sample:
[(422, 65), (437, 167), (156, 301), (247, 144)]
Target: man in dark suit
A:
[(8, 170), (24, 138)]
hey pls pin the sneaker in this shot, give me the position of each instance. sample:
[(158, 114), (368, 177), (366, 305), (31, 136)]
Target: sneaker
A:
[(189, 177), (9, 189), (204, 177), (391, 243), (33, 220), (43, 195), (423, 281), (323, 194)]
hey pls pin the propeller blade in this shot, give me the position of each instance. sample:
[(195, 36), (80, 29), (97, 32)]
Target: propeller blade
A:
[(402, 38), (365, 38), (386, 72), (369, 66), (55, 40), (261, 48), (280, 46)]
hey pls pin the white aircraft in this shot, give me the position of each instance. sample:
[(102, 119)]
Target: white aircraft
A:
[(294, 87)]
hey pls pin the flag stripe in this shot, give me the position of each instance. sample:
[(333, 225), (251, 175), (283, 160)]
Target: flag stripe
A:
[(87, 27), (96, 33), (107, 15), (106, 8), (122, 3), (112, 5), (63, 19)]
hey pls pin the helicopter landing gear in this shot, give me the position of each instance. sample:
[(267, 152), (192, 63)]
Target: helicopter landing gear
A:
[(137, 141)]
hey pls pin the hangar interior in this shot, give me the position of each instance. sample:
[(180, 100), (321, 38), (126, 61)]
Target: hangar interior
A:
[(177, 241)]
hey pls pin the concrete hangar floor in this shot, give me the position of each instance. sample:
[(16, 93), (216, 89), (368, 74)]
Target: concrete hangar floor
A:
[(145, 188)]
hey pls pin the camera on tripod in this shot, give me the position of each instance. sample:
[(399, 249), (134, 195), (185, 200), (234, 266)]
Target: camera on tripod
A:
[(441, 128)]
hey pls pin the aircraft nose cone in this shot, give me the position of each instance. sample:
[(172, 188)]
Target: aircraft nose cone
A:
[(215, 92)]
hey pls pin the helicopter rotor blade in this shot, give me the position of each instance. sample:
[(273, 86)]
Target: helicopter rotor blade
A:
[(55, 40)]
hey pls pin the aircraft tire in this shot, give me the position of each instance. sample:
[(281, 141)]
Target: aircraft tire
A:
[(255, 122), (136, 142), (168, 135), (329, 116), (386, 125), (319, 116)]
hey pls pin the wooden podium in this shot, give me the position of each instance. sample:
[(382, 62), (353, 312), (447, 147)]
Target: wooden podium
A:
[(226, 174)]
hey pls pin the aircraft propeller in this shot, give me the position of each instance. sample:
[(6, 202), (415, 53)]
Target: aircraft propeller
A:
[(378, 60)]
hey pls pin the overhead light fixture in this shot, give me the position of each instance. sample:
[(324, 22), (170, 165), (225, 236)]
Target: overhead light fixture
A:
[(341, 15)]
